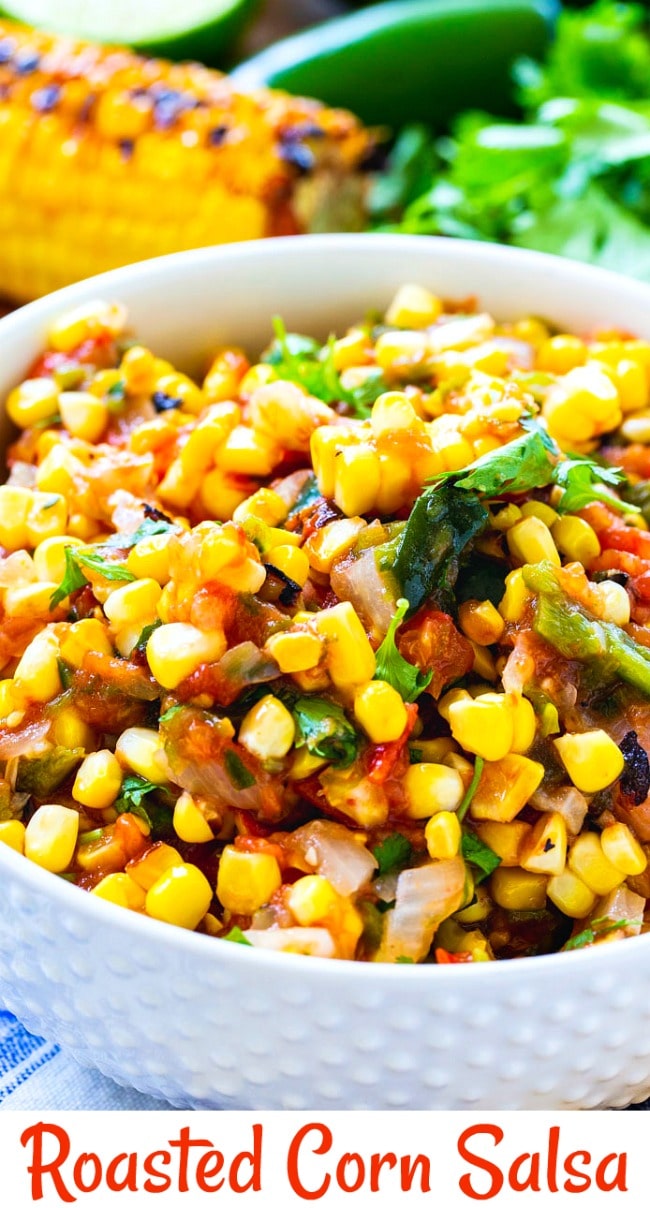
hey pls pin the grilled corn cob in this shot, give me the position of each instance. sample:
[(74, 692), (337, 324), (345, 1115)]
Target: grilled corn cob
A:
[(107, 157)]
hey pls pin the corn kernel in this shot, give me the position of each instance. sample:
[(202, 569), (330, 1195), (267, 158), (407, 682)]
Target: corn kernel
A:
[(98, 781), (431, 788), (119, 889), (588, 861), (571, 895), (561, 353), (614, 602), (544, 850), (228, 373), (481, 622), (179, 386), (332, 541), (46, 517), (247, 451), (505, 839), (304, 764), (263, 504), (505, 517), (484, 726), (181, 896), (478, 910), (15, 506), (295, 650), (49, 557), (150, 558), (157, 860), (12, 834), (581, 405), (35, 400), (525, 723), (432, 750), (221, 494), (443, 834), (138, 370), (413, 306), (531, 541), (546, 514), (350, 350), (505, 787), (576, 539), (356, 480), (37, 674), (70, 730), (312, 899), (516, 889), (632, 382), (451, 698), (133, 604), (292, 561), (81, 637), (379, 708), (325, 444), (246, 880), (395, 350), (592, 759), (623, 850), (176, 650), (84, 415), (516, 597), (350, 657), (268, 729), (29, 600), (189, 823), (85, 322), (178, 488), (51, 837), (142, 751), (393, 412)]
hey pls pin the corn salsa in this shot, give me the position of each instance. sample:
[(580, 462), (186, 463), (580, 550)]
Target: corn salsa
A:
[(344, 651)]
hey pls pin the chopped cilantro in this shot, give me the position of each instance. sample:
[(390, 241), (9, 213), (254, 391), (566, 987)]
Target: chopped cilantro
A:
[(476, 852), (236, 936), (592, 933), (309, 364), (73, 579), (321, 726), (141, 644), (469, 795), (237, 772), (393, 853), (76, 559), (148, 528), (392, 667), (404, 960), (521, 465), (585, 481), (171, 712)]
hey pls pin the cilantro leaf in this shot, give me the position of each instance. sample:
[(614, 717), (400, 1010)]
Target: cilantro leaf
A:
[(404, 960), (321, 726), (131, 801), (134, 789), (521, 465), (237, 772), (476, 852), (471, 790), (392, 667), (592, 933), (393, 853), (309, 364), (585, 481), (141, 644), (148, 528), (236, 936), (114, 572), (72, 580)]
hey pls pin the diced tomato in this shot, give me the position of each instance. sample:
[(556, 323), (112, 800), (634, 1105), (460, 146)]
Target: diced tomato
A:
[(614, 559), (385, 756), (129, 836), (99, 351), (635, 459), (258, 844), (432, 642), (631, 540), (452, 958), (641, 587)]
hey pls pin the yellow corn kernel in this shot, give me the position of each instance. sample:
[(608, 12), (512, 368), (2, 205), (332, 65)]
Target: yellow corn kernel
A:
[(121, 890), (546, 514), (531, 541), (396, 350), (304, 764), (174, 651), (81, 637), (265, 505), (484, 664), (200, 449), (516, 597), (295, 650), (224, 558), (98, 781), (505, 839), (268, 729), (133, 604), (396, 483), (484, 726), (150, 558), (10, 701), (505, 517), (454, 938), (12, 834), (432, 750), (505, 787), (461, 765), (247, 451), (393, 412), (291, 561), (51, 837), (431, 788), (37, 674), (478, 910), (623, 850), (29, 600), (443, 834), (481, 622), (532, 331), (15, 505), (516, 889), (350, 350), (544, 850), (312, 899), (142, 751), (325, 444), (571, 895), (413, 306), (379, 708), (35, 400), (85, 322), (350, 657), (582, 405), (525, 723), (614, 602), (70, 730), (49, 558), (181, 896), (632, 382), (561, 353), (592, 759), (246, 880), (189, 823), (221, 494), (451, 698), (490, 358), (333, 541), (588, 861), (84, 415), (454, 450), (177, 488), (356, 480), (148, 868), (138, 369), (47, 517), (180, 386), (576, 540)]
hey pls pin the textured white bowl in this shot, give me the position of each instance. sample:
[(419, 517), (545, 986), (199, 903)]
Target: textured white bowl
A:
[(208, 1024)]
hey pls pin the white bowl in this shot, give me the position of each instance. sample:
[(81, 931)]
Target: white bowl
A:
[(209, 1024)]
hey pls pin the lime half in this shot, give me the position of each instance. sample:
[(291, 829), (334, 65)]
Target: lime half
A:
[(190, 28)]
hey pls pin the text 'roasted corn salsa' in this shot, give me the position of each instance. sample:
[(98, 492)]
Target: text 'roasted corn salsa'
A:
[(345, 652)]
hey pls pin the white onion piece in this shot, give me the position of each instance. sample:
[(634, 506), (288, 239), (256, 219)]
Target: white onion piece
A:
[(329, 849), (30, 741), (17, 569), (569, 802), (357, 579), (425, 896), (621, 903), (22, 474), (307, 941)]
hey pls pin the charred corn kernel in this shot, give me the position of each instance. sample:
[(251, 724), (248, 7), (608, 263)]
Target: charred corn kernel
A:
[(265, 505), (181, 896), (505, 839), (481, 622), (632, 382), (623, 850), (70, 730), (86, 322), (484, 726), (121, 890), (98, 781), (530, 541), (350, 350), (34, 400), (156, 861), (174, 651), (576, 540), (268, 729), (516, 889), (150, 558), (397, 349), (350, 657), (571, 895), (133, 603), (356, 480), (312, 899), (379, 708), (247, 451), (325, 444), (179, 386), (83, 415), (431, 750), (505, 517), (51, 837), (432, 788), (12, 834), (304, 764), (546, 514), (443, 834), (291, 561), (333, 541), (516, 597), (15, 506), (295, 651), (544, 850), (246, 880), (81, 637), (413, 306), (37, 675), (581, 405), (189, 823), (30, 600), (561, 354), (138, 369), (505, 787), (592, 759), (614, 602), (50, 560), (221, 494), (588, 861), (142, 751), (393, 412), (525, 723)]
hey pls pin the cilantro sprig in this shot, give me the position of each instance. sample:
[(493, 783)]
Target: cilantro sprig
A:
[(300, 359), (76, 561), (393, 853), (477, 853), (602, 926), (392, 667), (321, 726)]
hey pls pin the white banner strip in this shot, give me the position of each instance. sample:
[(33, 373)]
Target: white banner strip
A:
[(357, 1159)]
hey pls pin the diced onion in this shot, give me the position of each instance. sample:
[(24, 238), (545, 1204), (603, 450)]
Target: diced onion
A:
[(307, 941), (425, 896), (331, 850)]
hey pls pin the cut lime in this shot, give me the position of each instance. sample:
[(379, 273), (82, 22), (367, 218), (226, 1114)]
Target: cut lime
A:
[(193, 28)]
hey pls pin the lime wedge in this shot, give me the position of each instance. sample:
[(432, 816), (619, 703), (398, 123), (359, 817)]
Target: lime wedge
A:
[(190, 28)]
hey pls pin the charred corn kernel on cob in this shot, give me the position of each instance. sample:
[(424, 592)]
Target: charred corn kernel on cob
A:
[(232, 604)]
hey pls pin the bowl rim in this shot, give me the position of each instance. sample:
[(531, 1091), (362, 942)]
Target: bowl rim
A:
[(30, 316)]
